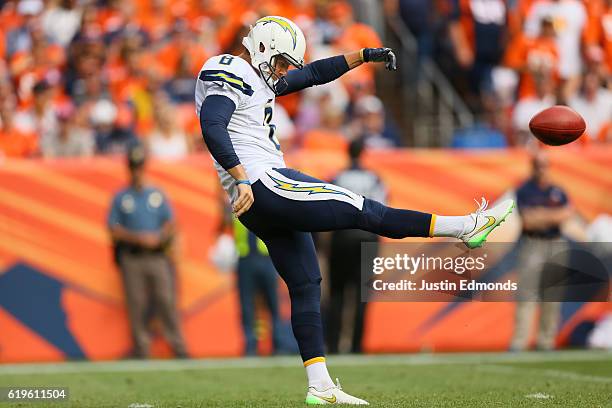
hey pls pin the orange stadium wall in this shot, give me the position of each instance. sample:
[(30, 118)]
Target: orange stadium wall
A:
[(61, 295)]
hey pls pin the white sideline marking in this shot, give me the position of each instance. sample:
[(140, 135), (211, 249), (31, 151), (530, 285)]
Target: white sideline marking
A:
[(539, 395), (294, 361), (559, 374)]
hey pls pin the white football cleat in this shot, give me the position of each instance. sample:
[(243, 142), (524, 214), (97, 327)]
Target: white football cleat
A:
[(332, 395), (485, 221)]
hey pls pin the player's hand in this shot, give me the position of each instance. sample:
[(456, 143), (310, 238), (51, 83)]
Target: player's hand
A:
[(244, 201), (385, 55)]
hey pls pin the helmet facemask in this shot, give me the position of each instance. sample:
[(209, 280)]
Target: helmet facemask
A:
[(278, 84)]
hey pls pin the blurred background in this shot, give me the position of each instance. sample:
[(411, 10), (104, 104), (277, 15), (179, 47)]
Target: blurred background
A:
[(85, 83)]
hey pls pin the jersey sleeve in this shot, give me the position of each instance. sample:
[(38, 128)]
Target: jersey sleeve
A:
[(225, 76), (316, 73)]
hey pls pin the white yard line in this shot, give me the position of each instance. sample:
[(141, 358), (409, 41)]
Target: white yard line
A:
[(539, 395), (545, 372), (294, 361)]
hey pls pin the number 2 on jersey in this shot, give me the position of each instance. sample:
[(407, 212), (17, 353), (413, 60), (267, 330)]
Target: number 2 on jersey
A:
[(267, 119)]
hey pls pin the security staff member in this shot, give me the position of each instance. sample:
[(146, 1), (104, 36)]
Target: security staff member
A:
[(142, 227), (344, 265), (543, 207), (256, 273)]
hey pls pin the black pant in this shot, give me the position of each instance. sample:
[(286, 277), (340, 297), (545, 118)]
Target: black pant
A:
[(344, 279)]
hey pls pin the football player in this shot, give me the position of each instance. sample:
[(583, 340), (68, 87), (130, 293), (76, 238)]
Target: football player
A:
[(235, 103)]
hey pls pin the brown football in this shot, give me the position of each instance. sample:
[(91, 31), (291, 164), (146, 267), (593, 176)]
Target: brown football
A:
[(557, 126)]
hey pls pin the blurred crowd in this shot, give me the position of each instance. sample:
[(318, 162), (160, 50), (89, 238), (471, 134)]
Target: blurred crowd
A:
[(83, 77), (513, 58)]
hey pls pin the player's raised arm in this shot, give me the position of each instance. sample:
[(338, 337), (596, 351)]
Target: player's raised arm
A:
[(329, 69)]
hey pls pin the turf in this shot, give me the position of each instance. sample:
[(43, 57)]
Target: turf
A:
[(575, 379)]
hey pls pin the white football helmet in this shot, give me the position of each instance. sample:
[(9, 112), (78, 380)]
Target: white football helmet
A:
[(274, 36)]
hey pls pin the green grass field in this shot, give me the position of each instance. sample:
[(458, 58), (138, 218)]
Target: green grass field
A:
[(572, 379)]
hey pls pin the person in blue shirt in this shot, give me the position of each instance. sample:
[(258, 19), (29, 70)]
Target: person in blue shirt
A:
[(543, 207), (142, 227)]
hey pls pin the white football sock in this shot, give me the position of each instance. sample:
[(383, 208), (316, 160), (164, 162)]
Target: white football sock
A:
[(452, 226), (317, 373)]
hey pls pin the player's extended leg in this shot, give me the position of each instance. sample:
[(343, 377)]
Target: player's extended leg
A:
[(298, 201)]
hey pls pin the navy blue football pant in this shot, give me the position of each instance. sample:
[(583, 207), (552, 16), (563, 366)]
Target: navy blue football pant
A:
[(288, 206)]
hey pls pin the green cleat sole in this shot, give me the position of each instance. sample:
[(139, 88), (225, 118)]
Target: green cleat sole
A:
[(312, 400)]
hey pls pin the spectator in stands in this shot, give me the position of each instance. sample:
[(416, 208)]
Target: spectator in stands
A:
[(543, 207), (569, 18), (69, 139), (598, 38), (167, 140), (418, 17), (352, 35), (110, 137), (317, 100), (531, 104), (180, 48), (478, 38), (372, 126), (42, 60), (594, 103), (62, 20), (142, 229), (323, 31), (90, 29), (13, 141), (40, 118), (90, 90), (19, 39), (534, 56), (7, 95), (181, 86), (344, 267), (329, 135), (84, 78)]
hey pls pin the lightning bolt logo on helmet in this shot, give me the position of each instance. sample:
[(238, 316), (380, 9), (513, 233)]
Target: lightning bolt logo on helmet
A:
[(283, 23)]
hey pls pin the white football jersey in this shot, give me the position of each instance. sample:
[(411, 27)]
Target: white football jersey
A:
[(251, 127)]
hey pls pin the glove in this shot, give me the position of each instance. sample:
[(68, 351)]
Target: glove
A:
[(385, 55)]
